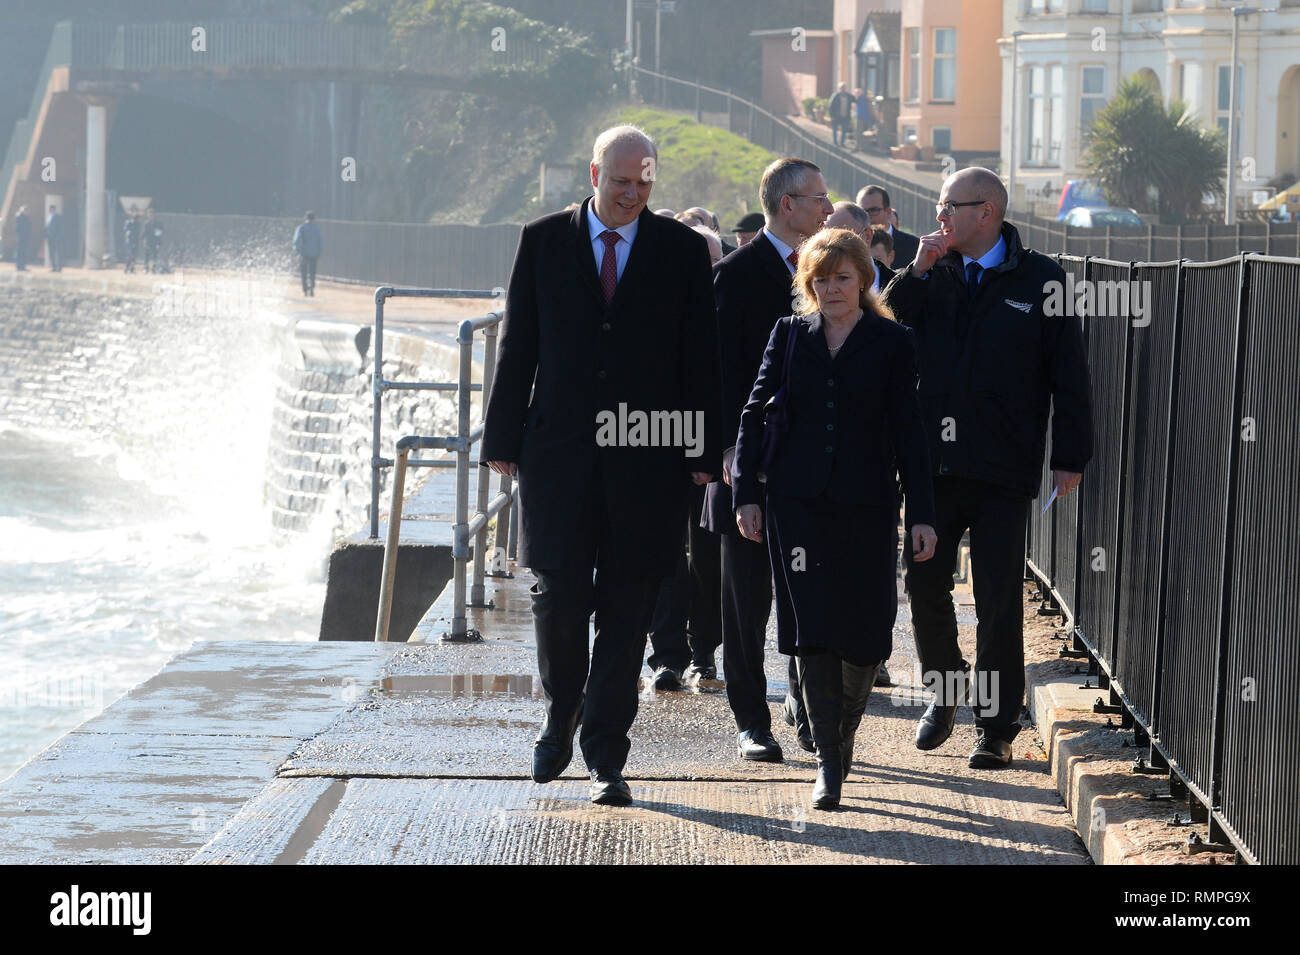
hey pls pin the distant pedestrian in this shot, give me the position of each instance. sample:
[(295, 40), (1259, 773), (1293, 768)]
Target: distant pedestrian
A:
[(23, 233), (131, 230), (862, 112), (54, 240), (840, 110), (153, 236), (750, 225), (307, 243)]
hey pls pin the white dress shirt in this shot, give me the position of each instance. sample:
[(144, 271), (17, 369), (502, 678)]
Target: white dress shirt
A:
[(622, 250), (780, 247)]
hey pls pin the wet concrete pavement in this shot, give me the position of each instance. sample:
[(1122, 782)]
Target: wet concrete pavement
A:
[(405, 753)]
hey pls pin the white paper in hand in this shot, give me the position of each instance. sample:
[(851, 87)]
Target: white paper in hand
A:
[(1050, 500)]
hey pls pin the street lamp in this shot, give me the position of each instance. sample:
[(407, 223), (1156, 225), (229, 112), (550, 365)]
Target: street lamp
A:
[(1011, 173), (1230, 212)]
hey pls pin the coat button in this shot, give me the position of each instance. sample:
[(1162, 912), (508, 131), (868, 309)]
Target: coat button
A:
[(830, 404), (830, 427), (830, 382), (830, 449), (601, 374), (606, 327), (943, 469)]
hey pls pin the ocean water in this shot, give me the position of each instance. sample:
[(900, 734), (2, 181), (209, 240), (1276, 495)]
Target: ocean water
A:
[(129, 534)]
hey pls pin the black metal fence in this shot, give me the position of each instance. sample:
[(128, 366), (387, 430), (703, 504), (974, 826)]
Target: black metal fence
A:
[(1176, 564), (376, 253), (847, 172)]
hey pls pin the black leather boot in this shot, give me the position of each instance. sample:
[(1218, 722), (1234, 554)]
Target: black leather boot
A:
[(858, 682), (821, 681), (793, 711)]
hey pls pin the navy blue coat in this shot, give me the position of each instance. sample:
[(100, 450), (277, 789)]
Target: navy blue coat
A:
[(566, 356), (854, 421)]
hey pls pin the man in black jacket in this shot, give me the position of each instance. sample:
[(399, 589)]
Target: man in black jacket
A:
[(753, 289), (606, 406), (875, 200), (993, 366)]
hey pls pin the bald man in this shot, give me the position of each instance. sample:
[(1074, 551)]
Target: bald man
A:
[(993, 367), (851, 216)]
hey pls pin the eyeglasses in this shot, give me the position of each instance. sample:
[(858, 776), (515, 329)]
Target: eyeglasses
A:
[(875, 210), (820, 197), (946, 208)]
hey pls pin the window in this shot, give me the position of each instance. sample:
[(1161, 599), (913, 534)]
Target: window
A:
[(1095, 6), (891, 75), (943, 86), (1056, 114), (909, 135), (1092, 94), (1223, 97), (941, 137), (1045, 115), (1035, 110), (913, 64), (1046, 6), (1189, 85)]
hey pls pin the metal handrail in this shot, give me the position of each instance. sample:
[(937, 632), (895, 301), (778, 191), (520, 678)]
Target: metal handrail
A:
[(465, 526)]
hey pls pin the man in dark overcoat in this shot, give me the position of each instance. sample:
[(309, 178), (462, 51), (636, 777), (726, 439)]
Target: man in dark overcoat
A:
[(993, 366), (606, 406), (753, 289)]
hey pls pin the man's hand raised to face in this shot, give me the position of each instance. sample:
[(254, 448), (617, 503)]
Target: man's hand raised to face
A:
[(930, 249)]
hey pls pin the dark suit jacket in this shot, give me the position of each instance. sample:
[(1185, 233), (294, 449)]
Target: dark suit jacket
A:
[(752, 287), (854, 421), (652, 349), (905, 246)]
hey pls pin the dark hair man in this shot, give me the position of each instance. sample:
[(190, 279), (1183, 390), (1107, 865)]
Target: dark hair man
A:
[(753, 289), (608, 309), (993, 366), (882, 246), (875, 199)]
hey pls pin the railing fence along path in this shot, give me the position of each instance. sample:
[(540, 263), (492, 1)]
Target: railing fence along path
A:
[(1177, 563)]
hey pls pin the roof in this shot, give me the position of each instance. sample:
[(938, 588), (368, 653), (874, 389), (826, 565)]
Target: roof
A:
[(879, 33)]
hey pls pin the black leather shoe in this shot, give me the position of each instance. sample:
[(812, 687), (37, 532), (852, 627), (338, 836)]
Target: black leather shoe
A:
[(700, 671), (666, 678), (883, 678), (759, 745), (990, 753), (794, 716), (609, 788), (553, 750), (935, 726)]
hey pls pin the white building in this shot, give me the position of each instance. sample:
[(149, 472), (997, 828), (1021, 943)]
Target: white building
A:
[(1072, 54)]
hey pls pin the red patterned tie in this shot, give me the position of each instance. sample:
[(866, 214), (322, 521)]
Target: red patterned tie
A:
[(609, 266), (793, 259)]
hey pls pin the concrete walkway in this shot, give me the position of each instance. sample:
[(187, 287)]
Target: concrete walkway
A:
[(343, 752)]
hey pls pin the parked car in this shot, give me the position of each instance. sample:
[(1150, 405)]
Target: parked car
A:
[(1079, 192), (1099, 217)]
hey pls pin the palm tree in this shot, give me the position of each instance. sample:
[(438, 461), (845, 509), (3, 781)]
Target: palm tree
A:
[(1151, 158)]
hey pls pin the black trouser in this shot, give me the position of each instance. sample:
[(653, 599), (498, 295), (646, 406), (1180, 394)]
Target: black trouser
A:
[(150, 256), (746, 605), (307, 266), (996, 518), (687, 624), (55, 254)]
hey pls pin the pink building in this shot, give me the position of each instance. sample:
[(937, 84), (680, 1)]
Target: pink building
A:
[(951, 76), (796, 64)]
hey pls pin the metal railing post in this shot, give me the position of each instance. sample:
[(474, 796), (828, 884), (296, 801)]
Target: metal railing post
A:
[(476, 594), (377, 388), (460, 547), (389, 575)]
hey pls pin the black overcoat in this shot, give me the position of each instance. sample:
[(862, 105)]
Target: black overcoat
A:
[(566, 357), (752, 288)]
